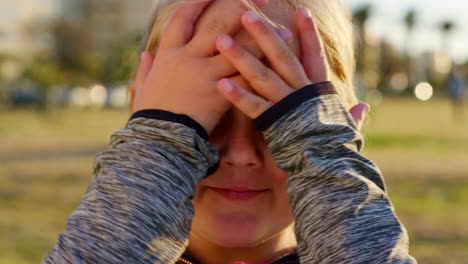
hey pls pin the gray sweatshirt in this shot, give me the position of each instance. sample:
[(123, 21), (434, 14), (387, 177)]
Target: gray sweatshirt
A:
[(138, 208)]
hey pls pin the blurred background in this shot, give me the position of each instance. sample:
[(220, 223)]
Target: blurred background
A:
[(64, 70)]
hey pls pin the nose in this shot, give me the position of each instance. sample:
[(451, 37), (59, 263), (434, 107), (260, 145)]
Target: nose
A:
[(239, 143)]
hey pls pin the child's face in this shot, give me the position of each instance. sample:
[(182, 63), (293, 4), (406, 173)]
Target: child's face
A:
[(245, 163), (239, 219)]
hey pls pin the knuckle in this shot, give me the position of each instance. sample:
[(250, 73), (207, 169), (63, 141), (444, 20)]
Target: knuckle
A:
[(256, 107), (260, 76), (286, 56), (238, 52), (238, 97)]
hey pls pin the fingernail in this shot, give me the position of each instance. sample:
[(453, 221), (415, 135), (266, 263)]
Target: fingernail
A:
[(285, 34), (306, 12), (226, 42), (226, 85), (251, 16)]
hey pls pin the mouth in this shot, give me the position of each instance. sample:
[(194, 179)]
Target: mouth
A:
[(238, 194)]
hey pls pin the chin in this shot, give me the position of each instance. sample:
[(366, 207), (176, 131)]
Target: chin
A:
[(245, 224), (233, 230)]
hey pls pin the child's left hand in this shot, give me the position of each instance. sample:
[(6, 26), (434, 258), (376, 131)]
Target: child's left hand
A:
[(286, 73)]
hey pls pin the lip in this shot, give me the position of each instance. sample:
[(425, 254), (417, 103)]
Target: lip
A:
[(238, 194)]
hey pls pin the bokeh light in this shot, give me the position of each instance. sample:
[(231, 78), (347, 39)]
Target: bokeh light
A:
[(424, 91), (399, 82), (98, 95), (79, 97), (119, 97)]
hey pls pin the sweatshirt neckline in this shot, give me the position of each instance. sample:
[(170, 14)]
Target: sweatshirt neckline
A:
[(291, 258)]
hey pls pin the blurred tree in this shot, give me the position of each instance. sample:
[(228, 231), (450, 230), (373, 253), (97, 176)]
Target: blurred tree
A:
[(2, 61), (446, 28), (71, 53), (70, 62), (390, 63), (410, 23), (3, 91), (122, 61), (44, 74), (67, 62), (360, 17)]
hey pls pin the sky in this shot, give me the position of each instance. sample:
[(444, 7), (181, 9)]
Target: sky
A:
[(387, 22)]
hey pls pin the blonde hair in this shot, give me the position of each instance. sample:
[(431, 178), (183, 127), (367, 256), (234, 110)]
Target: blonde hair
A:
[(333, 23)]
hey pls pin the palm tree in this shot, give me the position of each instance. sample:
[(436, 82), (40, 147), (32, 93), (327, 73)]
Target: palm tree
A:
[(446, 28), (410, 20), (410, 23), (361, 16), (2, 60)]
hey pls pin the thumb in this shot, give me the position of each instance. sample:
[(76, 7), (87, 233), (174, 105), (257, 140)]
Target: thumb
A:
[(144, 68), (146, 62), (359, 113)]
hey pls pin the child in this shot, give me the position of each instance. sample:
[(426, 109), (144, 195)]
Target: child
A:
[(237, 150)]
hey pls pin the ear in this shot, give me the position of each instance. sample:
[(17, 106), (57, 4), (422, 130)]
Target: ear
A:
[(359, 113)]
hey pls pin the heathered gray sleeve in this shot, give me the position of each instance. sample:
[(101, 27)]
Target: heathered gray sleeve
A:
[(138, 208), (338, 197)]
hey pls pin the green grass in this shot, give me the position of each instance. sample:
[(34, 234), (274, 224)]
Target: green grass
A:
[(435, 213), (46, 164)]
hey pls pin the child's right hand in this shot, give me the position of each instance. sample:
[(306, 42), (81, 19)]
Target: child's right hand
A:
[(182, 76)]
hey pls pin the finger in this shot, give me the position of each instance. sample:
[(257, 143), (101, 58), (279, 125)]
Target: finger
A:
[(223, 68), (359, 113), (214, 23), (286, 35), (146, 61), (282, 59), (180, 28), (313, 56), (266, 82), (248, 103)]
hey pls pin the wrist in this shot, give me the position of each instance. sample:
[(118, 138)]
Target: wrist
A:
[(164, 115)]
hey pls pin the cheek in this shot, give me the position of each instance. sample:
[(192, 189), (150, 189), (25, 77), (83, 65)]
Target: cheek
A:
[(281, 192)]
